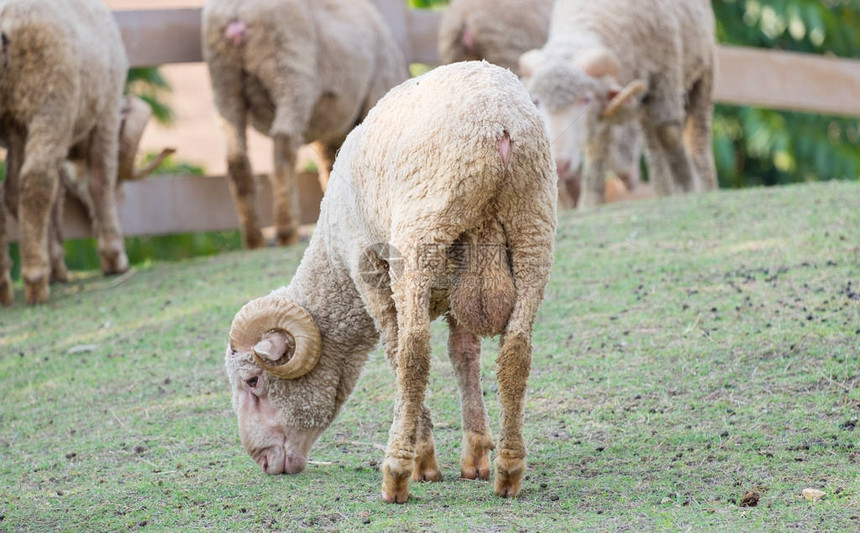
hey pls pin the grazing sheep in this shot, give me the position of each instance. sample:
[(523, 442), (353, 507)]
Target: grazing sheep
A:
[(453, 172), (299, 71), (62, 71), (75, 177), (608, 62), (500, 31)]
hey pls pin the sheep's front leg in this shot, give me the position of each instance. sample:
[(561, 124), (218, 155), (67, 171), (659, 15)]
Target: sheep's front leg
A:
[(678, 160), (286, 191), (59, 272), (595, 165), (39, 181), (9, 199), (698, 133), (104, 160), (464, 350), (426, 467), (412, 298), (6, 293)]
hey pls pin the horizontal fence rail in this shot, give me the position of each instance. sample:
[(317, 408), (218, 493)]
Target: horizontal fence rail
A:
[(157, 206), (748, 76)]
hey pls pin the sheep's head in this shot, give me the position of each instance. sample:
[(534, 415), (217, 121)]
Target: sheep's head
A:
[(135, 116), (274, 345), (576, 96)]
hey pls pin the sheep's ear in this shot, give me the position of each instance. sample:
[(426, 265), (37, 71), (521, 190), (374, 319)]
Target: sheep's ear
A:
[(598, 63), (618, 98), (529, 62), (274, 345)]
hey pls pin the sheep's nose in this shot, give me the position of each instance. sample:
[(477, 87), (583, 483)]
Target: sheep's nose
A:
[(295, 464), (563, 166), (272, 461)]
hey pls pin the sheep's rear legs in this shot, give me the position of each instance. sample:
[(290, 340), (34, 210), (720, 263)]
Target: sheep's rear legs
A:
[(286, 192), (464, 349)]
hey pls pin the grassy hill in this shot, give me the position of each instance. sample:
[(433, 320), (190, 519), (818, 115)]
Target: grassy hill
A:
[(689, 351)]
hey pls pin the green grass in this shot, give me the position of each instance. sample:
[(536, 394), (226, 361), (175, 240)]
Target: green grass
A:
[(688, 351)]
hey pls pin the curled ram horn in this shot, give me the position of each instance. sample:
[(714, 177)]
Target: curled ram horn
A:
[(135, 116), (275, 331), (633, 89)]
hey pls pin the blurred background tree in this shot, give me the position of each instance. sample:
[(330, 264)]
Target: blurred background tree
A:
[(757, 146), (764, 147)]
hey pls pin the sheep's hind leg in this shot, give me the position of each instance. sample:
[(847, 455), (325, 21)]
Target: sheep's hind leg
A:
[(230, 101), (530, 243), (39, 181), (286, 191), (464, 350), (325, 159), (102, 183)]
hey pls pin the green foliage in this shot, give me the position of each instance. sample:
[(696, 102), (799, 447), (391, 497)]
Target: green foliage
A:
[(173, 167), (150, 85), (758, 146), (427, 4), (764, 147)]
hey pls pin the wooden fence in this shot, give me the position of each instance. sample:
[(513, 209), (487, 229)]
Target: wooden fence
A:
[(180, 204)]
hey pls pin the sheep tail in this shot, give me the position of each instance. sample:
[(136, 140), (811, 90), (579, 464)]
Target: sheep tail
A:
[(235, 32), (506, 146)]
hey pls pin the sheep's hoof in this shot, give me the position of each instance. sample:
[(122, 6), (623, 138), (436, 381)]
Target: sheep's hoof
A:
[(287, 237), (395, 479), (509, 474), (254, 240), (36, 292), (475, 456), (426, 468), (113, 262), (59, 273)]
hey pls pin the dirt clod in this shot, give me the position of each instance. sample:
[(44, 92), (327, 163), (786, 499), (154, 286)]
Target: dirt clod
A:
[(750, 499), (71, 455), (139, 449), (554, 498)]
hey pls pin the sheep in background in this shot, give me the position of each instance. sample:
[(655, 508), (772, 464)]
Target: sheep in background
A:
[(62, 71), (609, 62), (75, 176), (500, 31), (454, 171), (299, 71)]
